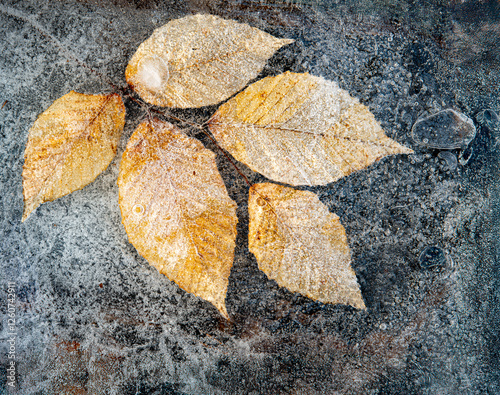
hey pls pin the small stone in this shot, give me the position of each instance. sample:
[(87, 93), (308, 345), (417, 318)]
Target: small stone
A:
[(447, 129), (449, 160), (432, 256)]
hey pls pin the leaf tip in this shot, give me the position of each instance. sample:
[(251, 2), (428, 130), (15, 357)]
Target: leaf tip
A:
[(407, 150), (401, 149), (30, 205), (222, 310), (25, 215), (357, 301)]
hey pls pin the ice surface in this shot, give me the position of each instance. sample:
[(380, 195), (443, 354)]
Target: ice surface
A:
[(93, 317)]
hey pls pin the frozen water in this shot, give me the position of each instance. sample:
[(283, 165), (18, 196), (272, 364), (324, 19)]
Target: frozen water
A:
[(94, 318)]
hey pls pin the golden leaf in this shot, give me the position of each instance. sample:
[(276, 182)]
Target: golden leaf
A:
[(301, 130), (176, 210), (69, 145), (301, 245), (199, 60)]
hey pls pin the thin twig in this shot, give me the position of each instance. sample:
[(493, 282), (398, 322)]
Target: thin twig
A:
[(227, 157)]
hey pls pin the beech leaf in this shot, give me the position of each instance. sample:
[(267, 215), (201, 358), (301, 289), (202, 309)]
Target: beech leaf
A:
[(199, 60), (176, 210), (301, 130), (301, 245), (69, 145)]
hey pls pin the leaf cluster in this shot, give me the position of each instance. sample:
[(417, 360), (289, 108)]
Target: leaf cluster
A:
[(295, 129)]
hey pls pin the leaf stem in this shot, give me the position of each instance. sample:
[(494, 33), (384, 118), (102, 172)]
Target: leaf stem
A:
[(227, 157)]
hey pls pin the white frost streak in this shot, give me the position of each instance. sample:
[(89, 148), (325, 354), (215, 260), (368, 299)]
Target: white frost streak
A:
[(152, 73)]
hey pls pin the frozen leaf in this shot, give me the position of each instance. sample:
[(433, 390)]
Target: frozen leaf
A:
[(301, 245), (176, 210), (199, 60), (69, 145), (301, 130)]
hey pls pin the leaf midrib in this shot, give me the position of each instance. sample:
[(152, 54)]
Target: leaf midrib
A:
[(67, 148), (323, 135)]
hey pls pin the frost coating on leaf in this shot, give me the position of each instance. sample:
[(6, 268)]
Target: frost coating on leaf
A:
[(69, 145), (301, 130), (301, 245), (176, 210), (152, 73), (199, 60)]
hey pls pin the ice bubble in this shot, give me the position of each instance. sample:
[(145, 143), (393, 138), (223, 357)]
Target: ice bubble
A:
[(432, 256), (138, 209), (489, 118)]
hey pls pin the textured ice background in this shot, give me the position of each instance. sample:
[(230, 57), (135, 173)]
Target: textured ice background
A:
[(94, 318)]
